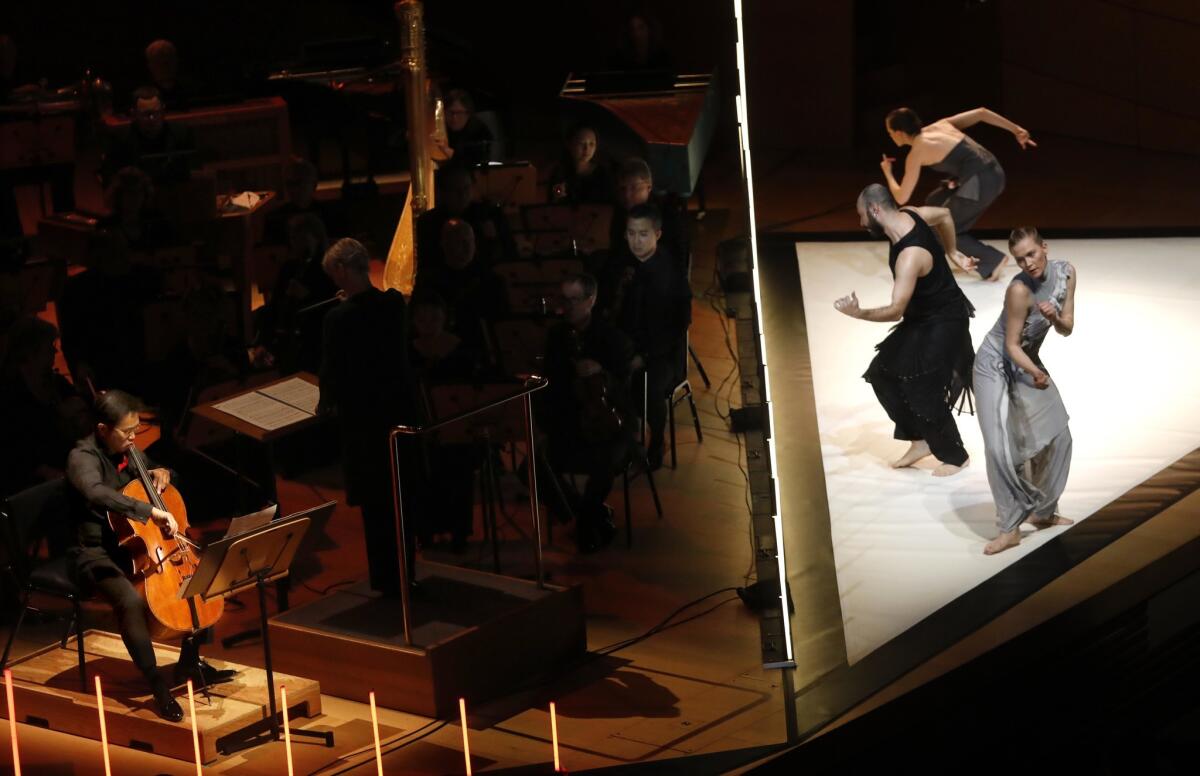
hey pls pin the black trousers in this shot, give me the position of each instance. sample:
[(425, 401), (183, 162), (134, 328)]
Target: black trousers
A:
[(366, 463), (966, 211), (662, 374), (133, 617), (933, 422), (600, 462), (379, 531)]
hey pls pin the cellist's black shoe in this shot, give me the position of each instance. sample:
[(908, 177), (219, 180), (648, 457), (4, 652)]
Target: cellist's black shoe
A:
[(202, 674), (164, 705)]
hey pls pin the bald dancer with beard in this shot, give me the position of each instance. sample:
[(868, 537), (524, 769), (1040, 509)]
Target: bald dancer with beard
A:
[(923, 367)]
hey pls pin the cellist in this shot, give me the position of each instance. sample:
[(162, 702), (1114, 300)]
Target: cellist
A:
[(97, 470)]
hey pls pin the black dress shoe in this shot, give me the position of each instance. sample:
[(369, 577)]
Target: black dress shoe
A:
[(166, 706), (606, 529), (203, 674)]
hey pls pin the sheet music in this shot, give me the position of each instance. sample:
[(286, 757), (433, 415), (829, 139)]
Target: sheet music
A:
[(263, 411), (301, 394), (246, 523)]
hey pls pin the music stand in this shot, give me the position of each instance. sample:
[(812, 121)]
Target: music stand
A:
[(252, 559), (483, 430)]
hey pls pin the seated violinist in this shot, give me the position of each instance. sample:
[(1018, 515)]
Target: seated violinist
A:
[(98, 469), (585, 408)]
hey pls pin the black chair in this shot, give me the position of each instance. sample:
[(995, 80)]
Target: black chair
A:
[(29, 522), (681, 391), (635, 466)]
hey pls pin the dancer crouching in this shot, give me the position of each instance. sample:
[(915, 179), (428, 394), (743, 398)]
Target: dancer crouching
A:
[(923, 367)]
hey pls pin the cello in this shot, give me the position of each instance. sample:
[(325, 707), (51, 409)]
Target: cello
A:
[(599, 419), (162, 565)]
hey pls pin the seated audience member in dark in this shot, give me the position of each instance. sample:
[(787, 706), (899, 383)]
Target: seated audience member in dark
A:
[(583, 176), (635, 186), (42, 412), (474, 295), (468, 140), (493, 238), (585, 408), (17, 85), (11, 83), (208, 354), (164, 150), (300, 188), (97, 470), (653, 306), (102, 319), (437, 354), (441, 358), (289, 323), (133, 220), (641, 45), (367, 382), (162, 64)]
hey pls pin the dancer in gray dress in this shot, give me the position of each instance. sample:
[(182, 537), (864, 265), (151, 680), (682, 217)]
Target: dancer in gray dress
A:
[(1026, 440), (974, 179)]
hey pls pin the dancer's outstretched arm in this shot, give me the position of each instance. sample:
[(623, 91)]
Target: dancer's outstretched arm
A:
[(972, 117)]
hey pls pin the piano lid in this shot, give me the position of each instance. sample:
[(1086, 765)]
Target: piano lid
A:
[(673, 114)]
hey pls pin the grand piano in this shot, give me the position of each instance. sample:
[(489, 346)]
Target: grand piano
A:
[(667, 118)]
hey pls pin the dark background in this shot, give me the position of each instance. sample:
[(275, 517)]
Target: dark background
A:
[(822, 74)]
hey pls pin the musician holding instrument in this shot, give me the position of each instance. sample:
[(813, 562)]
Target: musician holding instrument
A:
[(114, 487), (585, 411)]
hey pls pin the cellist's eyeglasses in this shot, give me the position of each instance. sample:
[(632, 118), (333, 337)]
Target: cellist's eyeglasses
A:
[(131, 432)]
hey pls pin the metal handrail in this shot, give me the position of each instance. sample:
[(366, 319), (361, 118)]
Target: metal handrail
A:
[(532, 383)]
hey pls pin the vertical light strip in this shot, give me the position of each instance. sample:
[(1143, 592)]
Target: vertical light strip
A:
[(375, 728), (554, 737), (195, 728), (462, 713), (103, 727), (287, 729), (12, 721), (748, 171)]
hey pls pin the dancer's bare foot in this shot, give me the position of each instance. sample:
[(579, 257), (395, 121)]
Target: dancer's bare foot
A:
[(947, 469), (1049, 522), (1003, 542), (916, 451)]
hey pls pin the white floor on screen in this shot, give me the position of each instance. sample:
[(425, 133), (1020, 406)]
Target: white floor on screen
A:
[(907, 543)]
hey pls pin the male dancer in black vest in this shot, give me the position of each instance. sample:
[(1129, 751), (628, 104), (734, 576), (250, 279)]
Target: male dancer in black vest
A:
[(924, 365)]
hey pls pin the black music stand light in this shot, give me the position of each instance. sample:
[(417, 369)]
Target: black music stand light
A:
[(252, 559)]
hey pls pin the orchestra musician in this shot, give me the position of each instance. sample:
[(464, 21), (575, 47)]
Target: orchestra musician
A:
[(98, 469), (586, 408), (652, 304)]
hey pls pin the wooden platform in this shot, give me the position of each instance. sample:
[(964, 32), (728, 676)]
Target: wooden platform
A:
[(48, 695), (475, 635)]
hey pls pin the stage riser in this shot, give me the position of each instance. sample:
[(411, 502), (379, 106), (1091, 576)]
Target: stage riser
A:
[(477, 663), (47, 694)]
